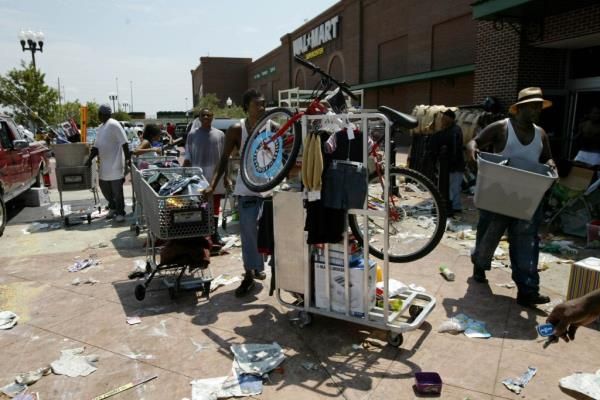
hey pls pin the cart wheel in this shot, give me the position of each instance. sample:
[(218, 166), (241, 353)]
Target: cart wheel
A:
[(172, 292), (148, 267), (140, 292), (89, 219), (304, 318), (395, 339), (67, 221)]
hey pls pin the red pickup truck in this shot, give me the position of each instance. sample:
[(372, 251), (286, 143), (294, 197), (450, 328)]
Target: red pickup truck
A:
[(22, 164)]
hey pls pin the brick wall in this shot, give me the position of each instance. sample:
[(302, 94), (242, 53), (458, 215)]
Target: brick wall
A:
[(225, 77), (575, 23)]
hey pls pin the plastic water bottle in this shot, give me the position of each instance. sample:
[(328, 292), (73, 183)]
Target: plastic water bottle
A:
[(447, 273)]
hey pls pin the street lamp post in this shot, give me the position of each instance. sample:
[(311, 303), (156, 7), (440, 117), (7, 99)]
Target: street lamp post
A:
[(229, 102), (113, 97), (125, 106), (34, 41)]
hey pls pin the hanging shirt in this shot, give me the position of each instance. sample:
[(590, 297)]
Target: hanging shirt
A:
[(110, 139)]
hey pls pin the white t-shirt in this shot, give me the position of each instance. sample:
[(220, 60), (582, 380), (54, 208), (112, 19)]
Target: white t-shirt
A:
[(110, 139)]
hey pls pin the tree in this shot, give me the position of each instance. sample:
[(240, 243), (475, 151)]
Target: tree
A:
[(211, 101), (121, 116), (24, 91)]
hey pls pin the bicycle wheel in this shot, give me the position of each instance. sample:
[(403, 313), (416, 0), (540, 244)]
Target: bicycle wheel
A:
[(266, 159), (417, 216)]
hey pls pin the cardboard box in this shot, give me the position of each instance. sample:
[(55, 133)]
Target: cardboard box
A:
[(338, 303), (584, 277), (37, 197)]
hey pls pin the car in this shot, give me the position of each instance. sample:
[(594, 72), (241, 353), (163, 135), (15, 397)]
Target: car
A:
[(22, 164), (222, 124)]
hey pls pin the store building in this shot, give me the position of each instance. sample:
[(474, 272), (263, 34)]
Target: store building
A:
[(403, 53)]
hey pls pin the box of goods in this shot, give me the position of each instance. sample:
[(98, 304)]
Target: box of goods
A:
[(337, 283), (584, 277), (511, 187), (36, 197)]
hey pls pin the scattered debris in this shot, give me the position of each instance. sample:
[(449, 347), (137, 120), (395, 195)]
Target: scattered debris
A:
[(23, 381), (55, 209), (516, 385), (257, 359), (139, 269), (566, 247), (88, 281), (8, 319), (125, 387), (395, 288), (72, 363), (543, 267), (447, 273), (508, 285), (310, 366), (499, 264), (462, 323), (31, 377), (235, 385), (415, 288), (133, 320), (13, 389), (587, 384), (357, 347), (28, 396), (224, 280), (35, 227), (83, 264), (99, 245)]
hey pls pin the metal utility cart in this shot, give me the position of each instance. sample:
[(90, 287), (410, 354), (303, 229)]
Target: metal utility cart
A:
[(229, 200), (138, 164), (72, 174), (291, 249), (174, 217)]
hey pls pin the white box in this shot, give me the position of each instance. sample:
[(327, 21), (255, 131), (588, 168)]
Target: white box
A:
[(338, 303), (37, 197), (511, 187)]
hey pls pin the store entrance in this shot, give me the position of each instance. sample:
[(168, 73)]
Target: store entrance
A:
[(584, 97)]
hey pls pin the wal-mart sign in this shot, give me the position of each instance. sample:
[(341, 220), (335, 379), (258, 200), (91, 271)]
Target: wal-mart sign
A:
[(323, 33)]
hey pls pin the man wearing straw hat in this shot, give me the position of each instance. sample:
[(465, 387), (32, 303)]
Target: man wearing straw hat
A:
[(516, 137)]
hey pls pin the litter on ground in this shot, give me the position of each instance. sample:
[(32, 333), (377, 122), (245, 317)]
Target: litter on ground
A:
[(516, 385)]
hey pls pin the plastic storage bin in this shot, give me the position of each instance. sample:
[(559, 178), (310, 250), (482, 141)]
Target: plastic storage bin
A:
[(429, 383), (71, 154), (511, 187)]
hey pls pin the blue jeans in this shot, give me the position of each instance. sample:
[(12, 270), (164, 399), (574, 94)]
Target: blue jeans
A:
[(455, 188), (523, 243), (249, 208)]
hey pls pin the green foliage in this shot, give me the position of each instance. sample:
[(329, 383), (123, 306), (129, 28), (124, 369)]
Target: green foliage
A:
[(212, 102), (93, 119), (68, 110), (26, 85), (121, 116)]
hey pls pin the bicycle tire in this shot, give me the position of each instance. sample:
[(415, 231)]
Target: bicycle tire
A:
[(259, 175), (416, 180)]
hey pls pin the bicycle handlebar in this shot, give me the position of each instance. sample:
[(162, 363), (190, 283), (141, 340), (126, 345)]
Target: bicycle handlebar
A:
[(344, 87)]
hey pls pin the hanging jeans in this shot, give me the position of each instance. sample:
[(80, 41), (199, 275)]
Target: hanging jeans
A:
[(113, 193), (523, 244)]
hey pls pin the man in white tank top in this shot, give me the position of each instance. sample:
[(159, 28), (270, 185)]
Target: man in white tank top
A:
[(249, 203), (516, 137)]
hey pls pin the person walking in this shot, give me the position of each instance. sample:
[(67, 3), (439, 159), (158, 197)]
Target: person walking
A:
[(448, 144), (203, 148), (112, 149), (517, 137), (250, 203)]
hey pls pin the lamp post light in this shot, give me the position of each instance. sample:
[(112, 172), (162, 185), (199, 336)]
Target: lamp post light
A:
[(113, 97), (229, 102), (34, 41), (125, 106)]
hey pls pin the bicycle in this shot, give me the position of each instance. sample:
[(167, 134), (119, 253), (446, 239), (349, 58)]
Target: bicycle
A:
[(417, 215), (271, 149)]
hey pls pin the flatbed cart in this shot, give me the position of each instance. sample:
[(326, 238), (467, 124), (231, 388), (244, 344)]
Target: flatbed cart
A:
[(140, 163), (291, 250), (174, 217), (72, 174)]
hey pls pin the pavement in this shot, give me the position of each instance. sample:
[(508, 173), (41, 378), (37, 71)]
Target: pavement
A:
[(190, 337)]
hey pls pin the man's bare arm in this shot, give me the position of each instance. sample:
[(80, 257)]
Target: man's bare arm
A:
[(546, 156), (488, 136)]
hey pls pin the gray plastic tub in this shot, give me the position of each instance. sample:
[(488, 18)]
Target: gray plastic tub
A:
[(511, 187), (71, 154)]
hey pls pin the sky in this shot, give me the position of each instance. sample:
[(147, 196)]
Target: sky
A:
[(147, 45)]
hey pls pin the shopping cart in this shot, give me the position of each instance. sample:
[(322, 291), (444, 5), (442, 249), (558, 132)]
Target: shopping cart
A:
[(229, 208), (138, 164), (72, 174), (174, 217)]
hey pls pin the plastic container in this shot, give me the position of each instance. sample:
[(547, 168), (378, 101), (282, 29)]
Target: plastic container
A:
[(428, 383), (593, 234), (71, 154), (447, 273), (511, 187)]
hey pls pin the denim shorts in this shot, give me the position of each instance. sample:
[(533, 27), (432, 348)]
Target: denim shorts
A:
[(345, 186)]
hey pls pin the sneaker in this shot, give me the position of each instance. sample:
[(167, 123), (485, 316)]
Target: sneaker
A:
[(260, 275), (119, 218), (245, 287), (479, 275), (528, 300)]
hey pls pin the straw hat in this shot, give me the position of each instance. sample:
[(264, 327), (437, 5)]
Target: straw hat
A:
[(530, 95)]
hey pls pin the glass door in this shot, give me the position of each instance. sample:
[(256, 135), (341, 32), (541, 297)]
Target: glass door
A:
[(581, 103)]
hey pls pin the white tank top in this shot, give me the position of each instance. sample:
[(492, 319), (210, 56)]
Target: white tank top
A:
[(240, 186), (516, 150)]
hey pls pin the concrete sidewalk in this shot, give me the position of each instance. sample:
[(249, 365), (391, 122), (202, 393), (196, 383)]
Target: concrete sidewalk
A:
[(189, 338)]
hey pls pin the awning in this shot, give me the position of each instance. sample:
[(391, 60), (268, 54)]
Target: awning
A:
[(422, 76), (513, 10)]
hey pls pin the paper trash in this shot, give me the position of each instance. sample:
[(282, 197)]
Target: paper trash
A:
[(588, 384), (72, 363), (8, 319)]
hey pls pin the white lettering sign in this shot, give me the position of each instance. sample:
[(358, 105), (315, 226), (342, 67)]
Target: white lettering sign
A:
[(323, 33)]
